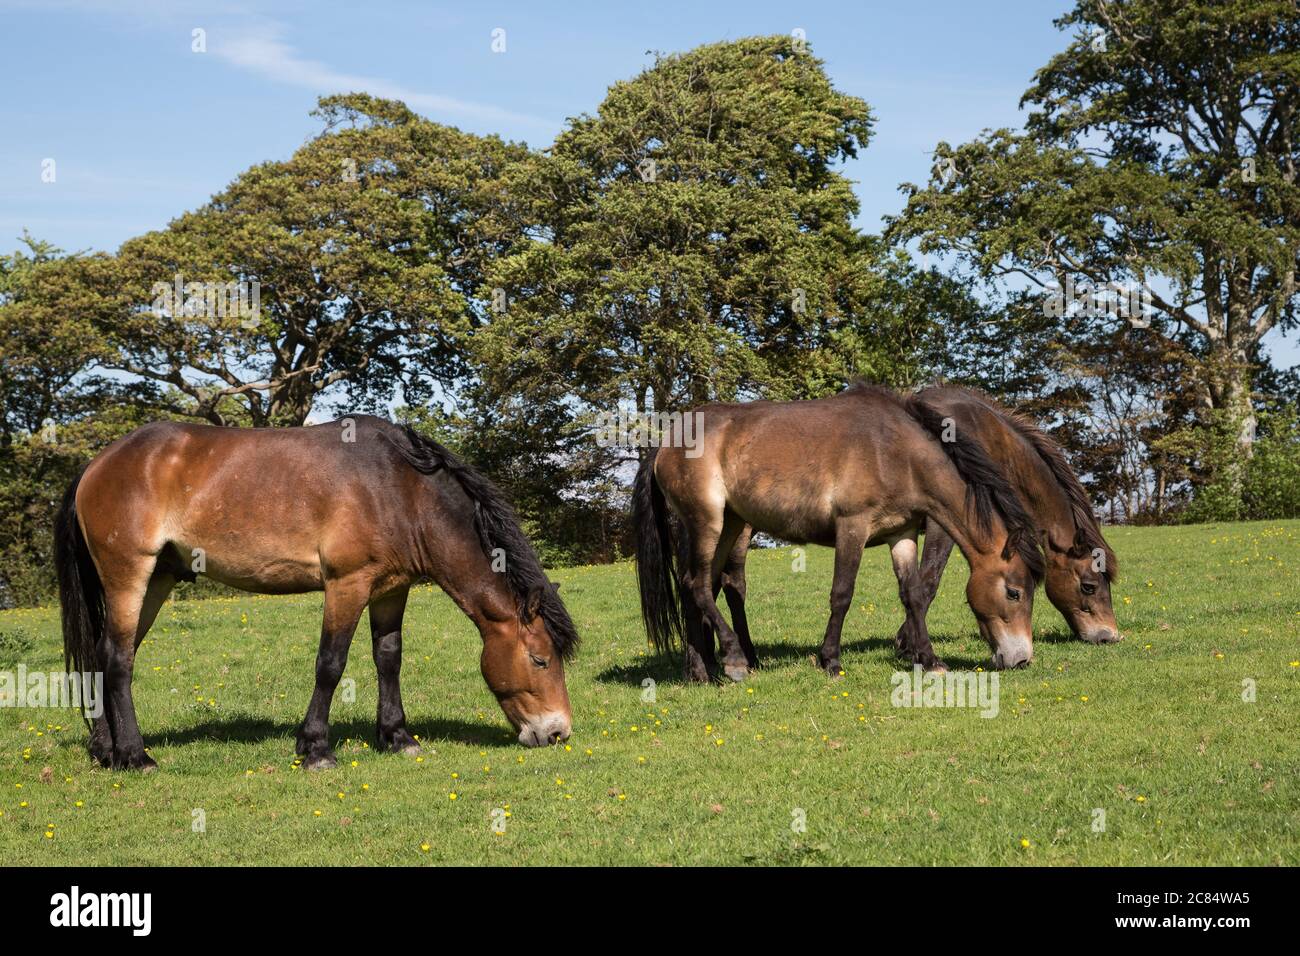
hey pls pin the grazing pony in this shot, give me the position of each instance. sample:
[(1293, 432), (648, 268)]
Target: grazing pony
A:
[(358, 508), (1080, 564), (861, 468)]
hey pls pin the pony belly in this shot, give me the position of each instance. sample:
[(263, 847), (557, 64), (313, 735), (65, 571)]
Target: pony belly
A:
[(800, 525), (264, 574)]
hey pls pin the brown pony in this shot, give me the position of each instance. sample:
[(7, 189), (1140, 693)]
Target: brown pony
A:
[(864, 467), (1080, 564), (359, 508)]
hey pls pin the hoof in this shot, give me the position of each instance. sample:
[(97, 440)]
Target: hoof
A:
[(831, 668), (320, 762), (398, 742), (737, 672), (141, 761)]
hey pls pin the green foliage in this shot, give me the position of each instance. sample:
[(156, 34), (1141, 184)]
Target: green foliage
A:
[(1273, 475), (55, 410), (690, 241), (363, 246), (1264, 486), (15, 647), (694, 238), (1210, 450), (1161, 149)]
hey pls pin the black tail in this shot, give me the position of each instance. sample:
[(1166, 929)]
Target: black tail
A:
[(654, 559), (81, 593), (987, 488)]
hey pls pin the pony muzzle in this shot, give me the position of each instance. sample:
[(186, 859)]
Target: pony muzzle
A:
[(1013, 651), (543, 731), (1100, 635)]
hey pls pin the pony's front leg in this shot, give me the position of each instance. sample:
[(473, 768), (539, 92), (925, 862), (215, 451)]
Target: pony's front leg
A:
[(344, 602), (734, 587), (917, 588), (386, 638)]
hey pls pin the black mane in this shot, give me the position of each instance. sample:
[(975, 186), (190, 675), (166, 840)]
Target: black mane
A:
[(987, 489), (497, 526), (1087, 531)]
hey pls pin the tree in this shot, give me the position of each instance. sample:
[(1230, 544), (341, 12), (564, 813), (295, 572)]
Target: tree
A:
[(362, 251), (54, 411), (690, 241), (1161, 153)]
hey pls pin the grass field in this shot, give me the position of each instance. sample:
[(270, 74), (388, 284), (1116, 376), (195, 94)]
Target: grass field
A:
[(1153, 731)]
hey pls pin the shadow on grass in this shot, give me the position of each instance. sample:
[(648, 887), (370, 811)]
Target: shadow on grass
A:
[(259, 729), (1055, 636), (662, 669)]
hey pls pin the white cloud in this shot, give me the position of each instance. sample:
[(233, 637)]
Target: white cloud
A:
[(253, 43), (264, 53)]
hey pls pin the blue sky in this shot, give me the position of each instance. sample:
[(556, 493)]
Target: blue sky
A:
[(142, 128)]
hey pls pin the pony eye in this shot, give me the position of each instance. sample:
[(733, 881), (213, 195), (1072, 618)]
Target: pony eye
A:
[(1013, 594), (1088, 588), (539, 661)]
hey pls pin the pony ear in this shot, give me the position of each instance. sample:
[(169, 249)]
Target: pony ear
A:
[(533, 603), (555, 586), (1080, 547), (1014, 538), (1050, 546)]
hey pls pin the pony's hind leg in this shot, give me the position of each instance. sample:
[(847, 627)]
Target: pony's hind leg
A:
[(132, 598), (345, 599), (709, 547), (701, 666), (851, 537), (386, 637), (101, 724)]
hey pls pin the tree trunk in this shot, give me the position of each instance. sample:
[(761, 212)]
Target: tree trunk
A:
[(1242, 411), (1230, 395)]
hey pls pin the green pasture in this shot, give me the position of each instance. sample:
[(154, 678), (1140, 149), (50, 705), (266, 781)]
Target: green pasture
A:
[(1152, 737)]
